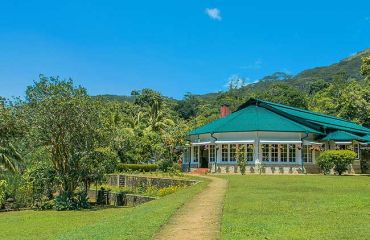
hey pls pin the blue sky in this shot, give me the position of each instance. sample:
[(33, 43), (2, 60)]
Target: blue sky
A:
[(113, 47)]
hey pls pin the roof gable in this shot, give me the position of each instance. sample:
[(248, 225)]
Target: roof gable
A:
[(310, 118), (342, 136), (253, 118)]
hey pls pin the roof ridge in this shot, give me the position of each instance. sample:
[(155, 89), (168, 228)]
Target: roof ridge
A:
[(296, 123), (306, 111)]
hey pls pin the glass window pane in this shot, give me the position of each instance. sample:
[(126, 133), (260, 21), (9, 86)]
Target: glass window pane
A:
[(284, 152), (274, 153)]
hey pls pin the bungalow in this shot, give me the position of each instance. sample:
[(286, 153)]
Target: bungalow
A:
[(276, 139)]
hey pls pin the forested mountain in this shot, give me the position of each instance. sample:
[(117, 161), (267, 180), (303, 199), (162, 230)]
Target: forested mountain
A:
[(346, 69)]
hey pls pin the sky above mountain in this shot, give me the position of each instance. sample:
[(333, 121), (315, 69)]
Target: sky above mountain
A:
[(113, 47)]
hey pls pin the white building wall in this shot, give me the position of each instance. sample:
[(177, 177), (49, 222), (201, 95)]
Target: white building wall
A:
[(252, 136)]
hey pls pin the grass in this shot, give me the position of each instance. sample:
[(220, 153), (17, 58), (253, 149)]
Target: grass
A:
[(297, 207), (141, 222)]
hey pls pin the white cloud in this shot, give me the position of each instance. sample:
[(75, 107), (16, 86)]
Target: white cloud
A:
[(214, 13)]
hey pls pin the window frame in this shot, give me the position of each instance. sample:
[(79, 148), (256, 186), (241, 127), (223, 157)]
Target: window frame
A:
[(232, 151), (249, 152), (224, 153), (292, 151), (274, 153), (307, 154), (284, 153), (265, 151)]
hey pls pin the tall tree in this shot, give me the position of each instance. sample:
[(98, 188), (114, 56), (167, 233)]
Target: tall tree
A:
[(65, 120), (285, 94)]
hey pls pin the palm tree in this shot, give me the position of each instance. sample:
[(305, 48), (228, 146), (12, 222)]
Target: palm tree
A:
[(10, 159)]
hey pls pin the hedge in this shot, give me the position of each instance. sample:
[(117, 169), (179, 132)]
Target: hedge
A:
[(123, 167)]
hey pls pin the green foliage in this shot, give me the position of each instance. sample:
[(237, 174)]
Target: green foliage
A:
[(241, 158), (337, 159), (12, 129), (165, 165), (65, 119), (325, 162), (3, 186), (365, 67), (139, 223), (41, 176), (67, 201), (95, 165), (122, 167), (284, 94)]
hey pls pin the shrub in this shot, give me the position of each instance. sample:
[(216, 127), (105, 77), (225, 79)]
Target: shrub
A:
[(67, 201), (165, 165), (47, 205), (64, 202), (122, 167), (337, 159), (3, 185)]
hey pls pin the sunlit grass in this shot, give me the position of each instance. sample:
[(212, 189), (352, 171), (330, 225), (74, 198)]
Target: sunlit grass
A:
[(141, 222), (297, 207)]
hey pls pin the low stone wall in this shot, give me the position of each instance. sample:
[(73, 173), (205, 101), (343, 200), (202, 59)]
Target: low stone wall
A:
[(134, 200), (131, 181), (105, 197)]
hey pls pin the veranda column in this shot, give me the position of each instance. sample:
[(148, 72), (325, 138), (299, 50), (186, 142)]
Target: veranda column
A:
[(257, 159)]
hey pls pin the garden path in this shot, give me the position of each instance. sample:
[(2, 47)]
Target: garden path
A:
[(200, 218)]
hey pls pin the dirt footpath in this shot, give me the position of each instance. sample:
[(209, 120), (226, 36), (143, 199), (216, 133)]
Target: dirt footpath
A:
[(200, 218)]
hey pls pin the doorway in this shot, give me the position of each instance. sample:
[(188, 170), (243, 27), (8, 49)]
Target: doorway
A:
[(204, 156)]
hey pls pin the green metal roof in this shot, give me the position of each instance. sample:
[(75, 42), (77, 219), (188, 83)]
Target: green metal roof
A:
[(253, 118), (367, 137), (260, 115), (342, 136), (324, 120)]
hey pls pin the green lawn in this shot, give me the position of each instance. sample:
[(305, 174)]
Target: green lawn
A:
[(141, 222), (297, 207)]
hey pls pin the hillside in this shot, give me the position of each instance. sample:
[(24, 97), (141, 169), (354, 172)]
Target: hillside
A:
[(348, 68)]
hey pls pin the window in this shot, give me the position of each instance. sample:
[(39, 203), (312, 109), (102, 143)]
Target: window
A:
[(274, 152), (196, 154), (292, 154), (265, 152), (356, 149), (225, 152), (233, 152), (284, 152), (250, 151), (212, 153), (307, 154), (341, 147)]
